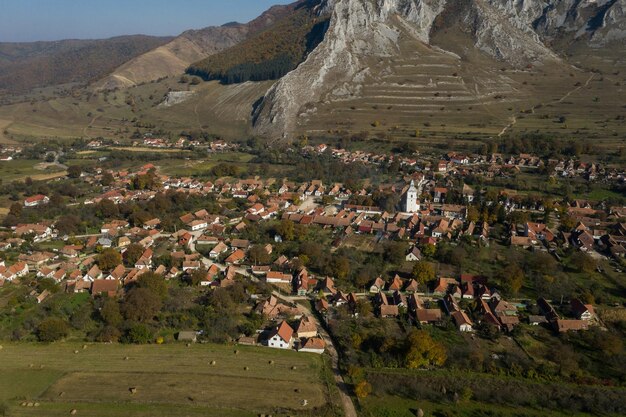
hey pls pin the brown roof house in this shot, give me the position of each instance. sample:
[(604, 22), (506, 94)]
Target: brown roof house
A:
[(281, 337), (314, 345), (306, 328)]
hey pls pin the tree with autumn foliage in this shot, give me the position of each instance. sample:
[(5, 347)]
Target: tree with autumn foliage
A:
[(109, 259), (423, 272), (363, 389), (423, 351)]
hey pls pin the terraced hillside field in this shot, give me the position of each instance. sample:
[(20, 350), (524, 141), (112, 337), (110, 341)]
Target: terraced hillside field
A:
[(463, 95), (222, 110)]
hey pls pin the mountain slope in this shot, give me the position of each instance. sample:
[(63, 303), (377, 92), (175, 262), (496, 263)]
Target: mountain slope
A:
[(269, 54), (374, 43), (192, 46), (24, 66)]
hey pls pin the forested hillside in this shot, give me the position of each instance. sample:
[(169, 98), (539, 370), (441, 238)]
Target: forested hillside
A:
[(24, 66), (268, 55)]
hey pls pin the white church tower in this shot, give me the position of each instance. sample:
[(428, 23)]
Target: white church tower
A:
[(411, 205)]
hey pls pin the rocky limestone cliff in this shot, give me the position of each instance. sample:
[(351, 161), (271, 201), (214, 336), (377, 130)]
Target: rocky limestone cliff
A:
[(512, 31), (366, 28)]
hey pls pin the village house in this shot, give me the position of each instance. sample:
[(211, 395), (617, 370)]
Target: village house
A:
[(36, 200), (582, 311), (281, 337), (236, 257), (313, 345), (306, 328), (462, 321), (219, 249), (275, 277)]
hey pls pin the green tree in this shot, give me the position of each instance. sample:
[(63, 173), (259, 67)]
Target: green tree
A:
[(52, 329), (258, 255), (132, 254), (15, 209), (488, 331), (363, 389), (423, 350), (193, 279), (395, 252), (514, 279), (74, 171), (109, 259), (110, 312), (429, 250), (107, 179), (68, 224), (138, 334), (141, 304), (341, 267), (472, 214), (423, 272), (584, 263), (108, 334), (153, 282), (286, 229)]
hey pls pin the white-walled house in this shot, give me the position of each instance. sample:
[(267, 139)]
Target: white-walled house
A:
[(281, 337)]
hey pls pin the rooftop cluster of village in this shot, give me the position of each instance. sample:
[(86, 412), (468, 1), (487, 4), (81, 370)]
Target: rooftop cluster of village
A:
[(213, 245)]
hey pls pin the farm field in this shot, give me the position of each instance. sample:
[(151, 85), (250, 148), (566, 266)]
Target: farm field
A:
[(172, 380), (22, 168)]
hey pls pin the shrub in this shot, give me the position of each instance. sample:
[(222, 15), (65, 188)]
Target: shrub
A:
[(138, 334), (52, 329)]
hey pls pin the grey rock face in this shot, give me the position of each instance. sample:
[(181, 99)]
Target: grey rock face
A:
[(513, 31)]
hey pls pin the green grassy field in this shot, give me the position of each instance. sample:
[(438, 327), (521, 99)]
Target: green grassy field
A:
[(22, 168), (170, 380)]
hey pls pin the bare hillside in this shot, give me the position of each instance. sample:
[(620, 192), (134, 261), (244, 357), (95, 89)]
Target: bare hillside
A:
[(192, 46), (24, 66)]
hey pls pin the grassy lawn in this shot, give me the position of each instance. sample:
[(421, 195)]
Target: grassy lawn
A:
[(146, 149), (22, 168), (186, 168), (600, 194), (172, 380)]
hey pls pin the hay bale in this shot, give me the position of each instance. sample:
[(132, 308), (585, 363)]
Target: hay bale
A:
[(236, 352), (84, 347), (419, 413), (271, 362), (30, 404), (297, 390), (245, 368), (61, 394), (23, 403), (75, 352), (37, 404), (133, 390), (213, 363), (188, 345), (1, 347), (126, 358), (293, 368), (73, 411)]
